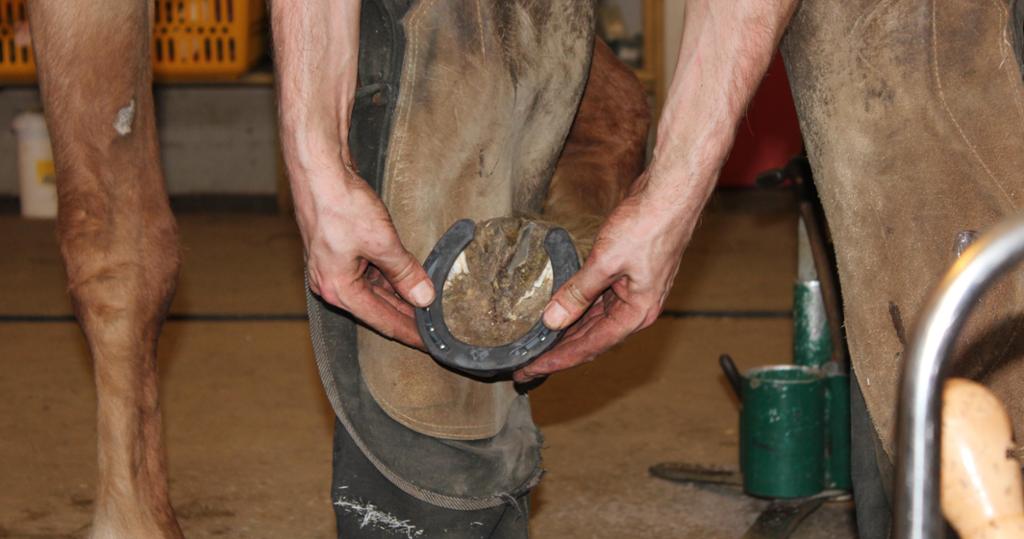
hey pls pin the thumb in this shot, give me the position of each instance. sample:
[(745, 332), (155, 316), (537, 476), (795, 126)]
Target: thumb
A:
[(405, 274), (577, 294)]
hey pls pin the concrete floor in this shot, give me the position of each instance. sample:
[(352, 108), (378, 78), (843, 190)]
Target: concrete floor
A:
[(248, 428)]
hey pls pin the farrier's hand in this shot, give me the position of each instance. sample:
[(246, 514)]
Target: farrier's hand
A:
[(356, 261), (622, 285), (725, 50), (353, 255)]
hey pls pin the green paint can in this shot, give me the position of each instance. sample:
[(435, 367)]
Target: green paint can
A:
[(782, 431), (837, 418)]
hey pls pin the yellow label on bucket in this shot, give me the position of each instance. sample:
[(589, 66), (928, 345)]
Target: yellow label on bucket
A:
[(45, 173)]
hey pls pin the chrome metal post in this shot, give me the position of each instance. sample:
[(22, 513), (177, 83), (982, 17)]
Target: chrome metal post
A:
[(917, 512)]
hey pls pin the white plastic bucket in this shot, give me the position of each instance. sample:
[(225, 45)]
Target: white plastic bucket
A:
[(36, 178)]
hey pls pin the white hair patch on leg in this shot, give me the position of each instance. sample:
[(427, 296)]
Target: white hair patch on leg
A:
[(125, 117)]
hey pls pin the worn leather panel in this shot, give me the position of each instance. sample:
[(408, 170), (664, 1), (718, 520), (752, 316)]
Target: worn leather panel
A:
[(489, 89), (381, 49), (913, 116), (465, 475)]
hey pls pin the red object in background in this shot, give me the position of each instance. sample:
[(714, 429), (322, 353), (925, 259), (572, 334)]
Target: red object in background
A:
[(768, 136)]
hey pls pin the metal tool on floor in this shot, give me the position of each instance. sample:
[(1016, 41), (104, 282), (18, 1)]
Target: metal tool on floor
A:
[(782, 517)]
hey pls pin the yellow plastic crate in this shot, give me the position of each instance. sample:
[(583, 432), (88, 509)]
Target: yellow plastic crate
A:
[(193, 40)]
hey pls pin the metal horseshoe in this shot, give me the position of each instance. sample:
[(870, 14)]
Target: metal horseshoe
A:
[(487, 361)]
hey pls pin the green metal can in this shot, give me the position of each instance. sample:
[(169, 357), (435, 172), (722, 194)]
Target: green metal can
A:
[(782, 432), (837, 417)]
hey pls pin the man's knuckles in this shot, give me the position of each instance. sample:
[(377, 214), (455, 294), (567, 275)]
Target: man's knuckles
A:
[(401, 271), (574, 296)]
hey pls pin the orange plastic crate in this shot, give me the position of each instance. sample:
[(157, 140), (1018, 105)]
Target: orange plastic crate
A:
[(193, 40), (16, 61), (207, 39)]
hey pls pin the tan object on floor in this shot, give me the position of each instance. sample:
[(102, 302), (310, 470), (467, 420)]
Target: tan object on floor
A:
[(981, 484)]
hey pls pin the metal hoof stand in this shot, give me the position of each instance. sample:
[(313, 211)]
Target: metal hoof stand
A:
[(916, 510)]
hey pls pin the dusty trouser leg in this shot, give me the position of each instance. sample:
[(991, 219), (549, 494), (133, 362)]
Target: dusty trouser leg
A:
[(117, 236), (367, 505), (913, 117)]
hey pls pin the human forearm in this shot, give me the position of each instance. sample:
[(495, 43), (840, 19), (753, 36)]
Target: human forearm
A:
[(623, 283), (354, 258), (316, 46), (726, 49)]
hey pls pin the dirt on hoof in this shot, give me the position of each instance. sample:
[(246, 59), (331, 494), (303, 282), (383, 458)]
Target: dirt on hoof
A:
[(499, 285)]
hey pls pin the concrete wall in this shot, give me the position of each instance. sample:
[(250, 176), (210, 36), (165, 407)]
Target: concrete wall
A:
[(214, 139)]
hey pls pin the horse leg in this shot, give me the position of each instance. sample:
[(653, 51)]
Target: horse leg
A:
[(602, 155), (117, 237), (604, 152)]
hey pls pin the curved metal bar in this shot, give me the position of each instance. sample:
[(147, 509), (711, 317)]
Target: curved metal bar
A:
[(917, 511)]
